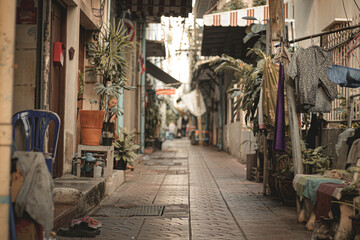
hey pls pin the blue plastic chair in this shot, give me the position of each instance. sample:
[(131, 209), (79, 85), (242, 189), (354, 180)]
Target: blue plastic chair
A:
[(35, 124)]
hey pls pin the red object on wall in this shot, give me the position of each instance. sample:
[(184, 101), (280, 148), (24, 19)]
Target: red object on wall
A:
[(59, 53)]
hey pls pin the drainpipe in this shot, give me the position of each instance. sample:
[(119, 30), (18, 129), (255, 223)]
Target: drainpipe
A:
[(7, 46), (142, 91), (220, 145)]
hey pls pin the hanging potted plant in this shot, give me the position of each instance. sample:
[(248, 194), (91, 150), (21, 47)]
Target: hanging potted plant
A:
[(107, 59)]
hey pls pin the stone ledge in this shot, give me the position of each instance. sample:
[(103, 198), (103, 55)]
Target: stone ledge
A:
[(115, 181)]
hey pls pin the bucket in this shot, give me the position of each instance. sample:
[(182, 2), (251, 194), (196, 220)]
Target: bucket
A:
[(97, 171), (344, 76)]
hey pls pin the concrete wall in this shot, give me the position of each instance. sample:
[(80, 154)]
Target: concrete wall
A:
[(313, 17), (131, 102), (71, 80), (329, 137), (238, 141)]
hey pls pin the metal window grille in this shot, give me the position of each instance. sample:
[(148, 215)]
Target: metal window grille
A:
[(335, 43)]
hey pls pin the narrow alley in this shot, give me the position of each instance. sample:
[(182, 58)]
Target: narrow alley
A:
[(205, 196)]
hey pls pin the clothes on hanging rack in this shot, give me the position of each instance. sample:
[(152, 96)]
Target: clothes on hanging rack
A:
[(279, 128), (315, 90), (269, 93)]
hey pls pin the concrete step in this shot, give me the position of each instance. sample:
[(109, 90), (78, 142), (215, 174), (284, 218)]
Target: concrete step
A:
[(75, 196), (63, 215)]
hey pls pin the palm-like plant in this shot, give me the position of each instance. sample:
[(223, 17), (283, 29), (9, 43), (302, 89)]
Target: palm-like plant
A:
[(107, 59), (248, 82)]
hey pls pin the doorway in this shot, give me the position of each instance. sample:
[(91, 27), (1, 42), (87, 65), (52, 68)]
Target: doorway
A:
[(57, 81)]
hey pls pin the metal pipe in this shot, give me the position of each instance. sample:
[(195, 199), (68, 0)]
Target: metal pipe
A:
[(221, 79), (325, 33), (7, 43), (120, 118), (39, 101), (142, 91)]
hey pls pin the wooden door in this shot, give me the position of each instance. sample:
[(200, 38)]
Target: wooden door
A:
[(82, 45), (57, 80)]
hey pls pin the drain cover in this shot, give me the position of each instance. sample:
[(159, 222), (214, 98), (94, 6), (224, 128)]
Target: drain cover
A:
[(149, 210)]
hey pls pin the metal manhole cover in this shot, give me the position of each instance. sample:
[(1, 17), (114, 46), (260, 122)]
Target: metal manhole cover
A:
[(147, 210)]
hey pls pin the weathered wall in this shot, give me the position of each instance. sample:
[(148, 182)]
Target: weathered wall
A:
[(71, 82), (313, 17), (25, 62), (238, 141), (131, 97)]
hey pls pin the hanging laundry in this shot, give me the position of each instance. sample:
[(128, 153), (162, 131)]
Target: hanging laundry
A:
[(315, 90), (269, 91), (279, 128)]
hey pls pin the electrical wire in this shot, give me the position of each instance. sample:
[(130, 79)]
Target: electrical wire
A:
[(357, 5)]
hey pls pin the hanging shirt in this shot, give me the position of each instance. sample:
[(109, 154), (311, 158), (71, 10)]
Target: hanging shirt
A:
[(315, 90), (269, 93)]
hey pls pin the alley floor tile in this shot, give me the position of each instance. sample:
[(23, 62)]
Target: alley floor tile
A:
[(206, 196)]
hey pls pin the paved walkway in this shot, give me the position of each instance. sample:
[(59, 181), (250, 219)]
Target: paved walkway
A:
[(206, 196)]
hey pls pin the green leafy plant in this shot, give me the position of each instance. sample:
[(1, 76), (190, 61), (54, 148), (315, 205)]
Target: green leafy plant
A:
[(314, 161), (92, 101), (124, 146), (152, 117), (234, 5), (107, 59), (283, 162), (256, 30), (259, 3), (342, 110), (81, 86), (245, 88)]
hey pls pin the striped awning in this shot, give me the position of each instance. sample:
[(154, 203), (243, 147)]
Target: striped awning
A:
[(158, 8), (235, 18)]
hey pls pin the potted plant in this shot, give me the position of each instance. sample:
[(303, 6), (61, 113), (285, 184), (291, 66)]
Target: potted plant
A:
[(314, 161), (107, 59), (124, 148), (152, 120)]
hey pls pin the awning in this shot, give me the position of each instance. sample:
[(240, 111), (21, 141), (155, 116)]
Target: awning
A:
[(158, 8), (225, 40), (235, 18), (159, 74), (155, 48)]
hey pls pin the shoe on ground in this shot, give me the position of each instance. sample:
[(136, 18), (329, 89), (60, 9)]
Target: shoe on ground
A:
[(76, 232), (92, 222)]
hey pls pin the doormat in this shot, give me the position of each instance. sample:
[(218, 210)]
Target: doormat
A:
[(147, 210)]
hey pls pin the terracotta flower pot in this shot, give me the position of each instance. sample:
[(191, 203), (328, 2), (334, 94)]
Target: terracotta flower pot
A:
[(91, 123)]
